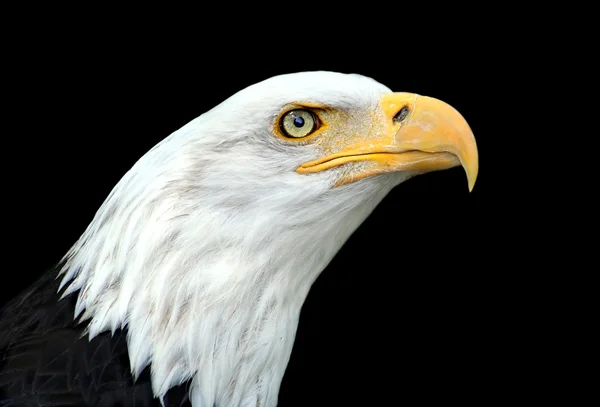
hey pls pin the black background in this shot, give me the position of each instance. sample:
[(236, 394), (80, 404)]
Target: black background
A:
[(414, 306)]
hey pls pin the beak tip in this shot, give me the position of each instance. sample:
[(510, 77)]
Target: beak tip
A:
[(469, 160), (471, 177)]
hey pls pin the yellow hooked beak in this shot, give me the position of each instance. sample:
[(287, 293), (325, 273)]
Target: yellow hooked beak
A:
[(414, 133)]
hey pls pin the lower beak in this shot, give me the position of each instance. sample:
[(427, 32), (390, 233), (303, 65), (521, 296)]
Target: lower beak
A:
[(418, 134)]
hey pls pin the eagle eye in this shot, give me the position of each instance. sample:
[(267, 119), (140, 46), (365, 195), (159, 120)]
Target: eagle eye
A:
[(298, 123)]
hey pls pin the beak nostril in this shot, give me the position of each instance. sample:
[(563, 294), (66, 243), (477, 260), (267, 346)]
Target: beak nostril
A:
[(401, 115)]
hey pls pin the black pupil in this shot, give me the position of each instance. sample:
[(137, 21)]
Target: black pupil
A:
[(298, 121)]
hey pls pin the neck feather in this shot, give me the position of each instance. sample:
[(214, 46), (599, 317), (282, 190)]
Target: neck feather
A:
[(206, 291)]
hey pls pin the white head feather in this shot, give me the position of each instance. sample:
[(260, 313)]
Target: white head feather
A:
[(206, 249)]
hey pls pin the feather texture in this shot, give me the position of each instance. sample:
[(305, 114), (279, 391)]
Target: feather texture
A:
[(48, 361), (199, 261)]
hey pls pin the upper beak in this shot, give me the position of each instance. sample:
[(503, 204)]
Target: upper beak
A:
[(416, 133)]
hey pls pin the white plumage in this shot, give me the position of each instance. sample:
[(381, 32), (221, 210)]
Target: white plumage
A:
[(206, 249)]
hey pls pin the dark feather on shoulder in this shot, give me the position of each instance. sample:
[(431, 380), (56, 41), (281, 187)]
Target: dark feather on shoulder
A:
[(46, 360)]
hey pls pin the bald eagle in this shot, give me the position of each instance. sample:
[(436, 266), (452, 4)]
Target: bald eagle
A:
[(187, 285)]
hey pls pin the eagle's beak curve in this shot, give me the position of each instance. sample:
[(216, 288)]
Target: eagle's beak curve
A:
[(416, 133)]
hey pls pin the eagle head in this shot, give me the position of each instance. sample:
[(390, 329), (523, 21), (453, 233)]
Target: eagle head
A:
[(206, 249)]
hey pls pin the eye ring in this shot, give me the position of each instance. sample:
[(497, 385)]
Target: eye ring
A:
[(298, 123)]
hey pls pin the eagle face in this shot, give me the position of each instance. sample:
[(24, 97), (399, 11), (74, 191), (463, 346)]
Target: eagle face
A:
[(297, 145), (206, 249)]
